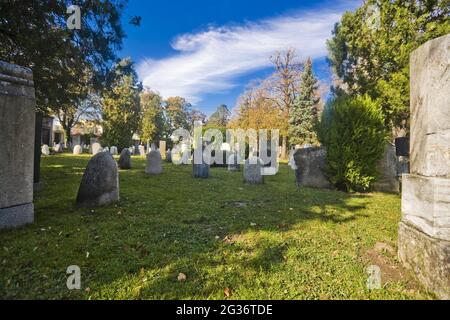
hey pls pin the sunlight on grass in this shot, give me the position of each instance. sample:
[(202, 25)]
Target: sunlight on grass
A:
[(272, 241)]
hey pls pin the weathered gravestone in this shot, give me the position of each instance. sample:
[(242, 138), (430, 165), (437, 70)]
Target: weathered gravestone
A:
[(106, 149), (141, 150), (96, 148), (45, 150), (154, 163), (253, 170), (113, 150), (387, 169), (169, 156), (57, 148), (424, 230), (77, 149), (100, 183), (200, 170), (310, 163), (17, 124), (125, 159), (234, 162)]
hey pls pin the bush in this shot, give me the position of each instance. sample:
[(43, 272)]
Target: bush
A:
[(353, 131)]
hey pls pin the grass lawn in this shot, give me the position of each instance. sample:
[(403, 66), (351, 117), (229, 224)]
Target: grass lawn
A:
[(271, 241)]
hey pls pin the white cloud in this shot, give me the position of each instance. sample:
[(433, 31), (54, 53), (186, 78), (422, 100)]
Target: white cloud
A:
[(210, 61)]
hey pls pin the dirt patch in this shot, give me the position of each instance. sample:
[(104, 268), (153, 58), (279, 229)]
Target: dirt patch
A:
[(384, 256)]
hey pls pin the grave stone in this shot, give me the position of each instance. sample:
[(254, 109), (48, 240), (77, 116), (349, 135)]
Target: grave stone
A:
[(45, 150), (424, 230), (253, 170), (113, 150), (17, 127), (77, 149), (310, 163), (100, 183), (154, 162), (125, 159), (96, 148)]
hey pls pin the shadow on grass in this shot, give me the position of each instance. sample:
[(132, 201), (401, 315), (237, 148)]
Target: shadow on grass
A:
[(163, 225)]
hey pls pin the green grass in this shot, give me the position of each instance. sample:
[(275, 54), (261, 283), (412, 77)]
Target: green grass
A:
[(272, 241)]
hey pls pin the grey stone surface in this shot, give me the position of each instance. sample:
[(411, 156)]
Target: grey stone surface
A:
[(96, 148), (200, 170), (17, 123), (169, 156), (154, 162), (125, 159), (427, 257), (141, 150), (16, 216), (252, 171), (387, 167), (113, 150), (100, 183), (57, 148), (77, 149), (424, 230), (310, 163), (234, 162), (430, 111), (45, 150), (426, 204)]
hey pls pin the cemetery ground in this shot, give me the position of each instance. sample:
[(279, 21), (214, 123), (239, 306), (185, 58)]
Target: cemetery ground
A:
[(230, 240)]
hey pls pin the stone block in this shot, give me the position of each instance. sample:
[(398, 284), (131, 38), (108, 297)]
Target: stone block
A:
[(17, 123), (310, 163), (426, 204)]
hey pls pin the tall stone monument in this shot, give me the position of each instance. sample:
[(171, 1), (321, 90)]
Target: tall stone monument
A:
[(424, 231), (17, 121)]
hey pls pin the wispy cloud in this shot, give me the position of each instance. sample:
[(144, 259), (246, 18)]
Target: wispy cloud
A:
[(211, 60)]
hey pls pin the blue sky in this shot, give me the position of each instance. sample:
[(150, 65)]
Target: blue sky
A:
[(208, 51)]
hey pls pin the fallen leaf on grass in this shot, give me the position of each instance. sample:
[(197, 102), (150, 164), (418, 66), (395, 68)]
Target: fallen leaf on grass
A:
[(227, 291), (181, 277)]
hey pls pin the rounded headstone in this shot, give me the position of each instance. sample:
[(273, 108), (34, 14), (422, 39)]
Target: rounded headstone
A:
[(252, 171), (96, 148), (106, 149), (113, 150), (154, 162), (77, 149), (45, 150), (100, 183), (57, 148), (125, 159)]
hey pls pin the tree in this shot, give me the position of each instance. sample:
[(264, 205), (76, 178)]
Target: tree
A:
[(153, 123), (220, 117), (285, 82), (34, 34), (121, 106), (178, 112), (353, 131), (198, 116), (370, 49), (304, 111)]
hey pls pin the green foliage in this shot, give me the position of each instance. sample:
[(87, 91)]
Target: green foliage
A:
[(303, 114), (34, 34), (370, 49), (121, 108), (153, 123), (353, 131), (178, 112)]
